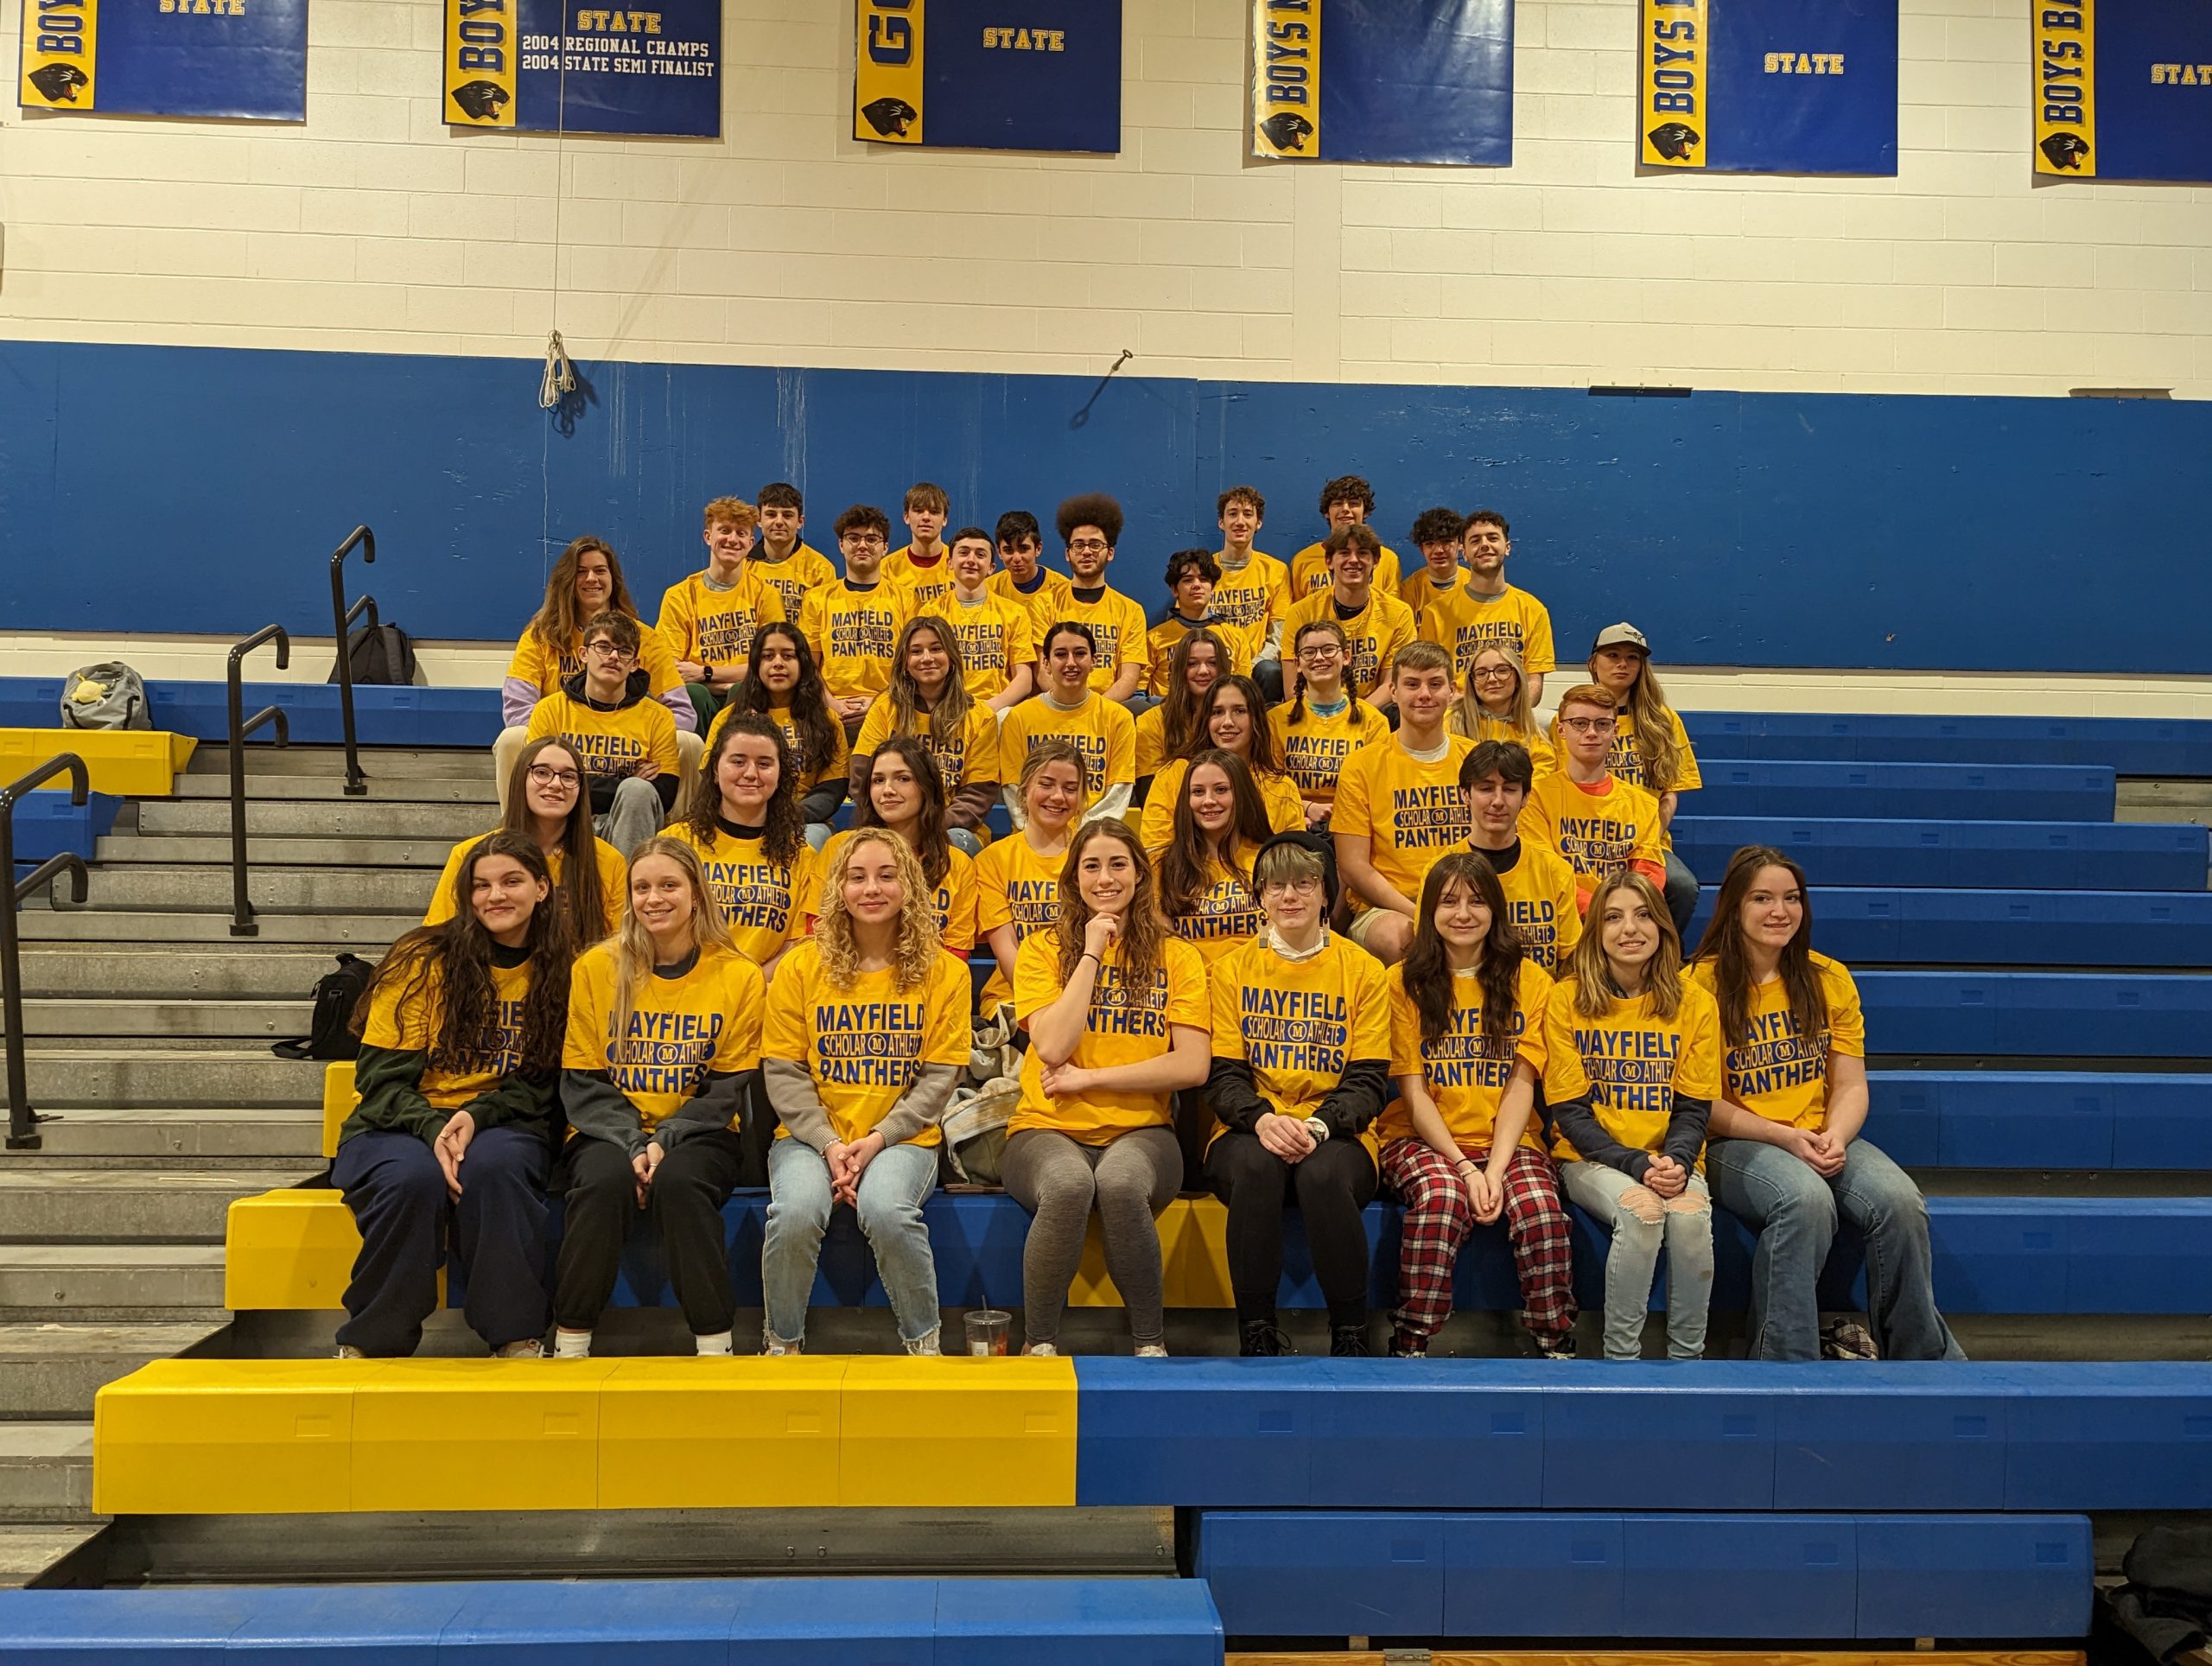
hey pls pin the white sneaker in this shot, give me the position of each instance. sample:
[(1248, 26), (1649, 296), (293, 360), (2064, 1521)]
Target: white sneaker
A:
[(923, 1347), (571, 1345), (1153, 1351), (347, 1351), (529, 1348)]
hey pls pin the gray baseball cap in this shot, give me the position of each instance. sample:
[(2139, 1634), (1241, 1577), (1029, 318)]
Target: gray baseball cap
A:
[(1623, 635)]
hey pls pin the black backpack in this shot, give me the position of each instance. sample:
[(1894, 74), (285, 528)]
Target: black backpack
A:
[(385, 654), (336, 995)]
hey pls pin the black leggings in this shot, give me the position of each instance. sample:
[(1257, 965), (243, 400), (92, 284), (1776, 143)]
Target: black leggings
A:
[(1330, 1188), (690, 1188)]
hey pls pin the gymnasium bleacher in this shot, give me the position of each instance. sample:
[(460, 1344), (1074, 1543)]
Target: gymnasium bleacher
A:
[(2039, 1045)]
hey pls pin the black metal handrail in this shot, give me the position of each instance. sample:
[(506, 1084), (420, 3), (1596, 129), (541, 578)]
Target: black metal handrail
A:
[(242, 920), (23, 1120), (356, 782)]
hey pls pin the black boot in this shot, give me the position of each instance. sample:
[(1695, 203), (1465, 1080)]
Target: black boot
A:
[(1348, 1342), (1261, 1340)]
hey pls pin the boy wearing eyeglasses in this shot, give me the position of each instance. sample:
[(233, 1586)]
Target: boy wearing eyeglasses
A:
[(1090, 524), (852, 623), (623, 743), (1597, 822), (1466, 614)]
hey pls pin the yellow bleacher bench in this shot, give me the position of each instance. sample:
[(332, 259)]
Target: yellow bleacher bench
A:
[(127, 763)]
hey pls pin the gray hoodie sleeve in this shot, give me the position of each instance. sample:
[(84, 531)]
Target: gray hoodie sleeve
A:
[(597, 1108), (922, 1105), (797, 1105)]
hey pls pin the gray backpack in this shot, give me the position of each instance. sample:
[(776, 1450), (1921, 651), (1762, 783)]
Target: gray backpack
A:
[(109, 696)]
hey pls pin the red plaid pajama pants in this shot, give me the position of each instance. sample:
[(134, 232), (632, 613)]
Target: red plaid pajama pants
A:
[(1438, 1217)]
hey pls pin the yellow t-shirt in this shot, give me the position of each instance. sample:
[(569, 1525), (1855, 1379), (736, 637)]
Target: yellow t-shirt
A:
[(1542, 760), (1226, 915), (1242, 642), (972, 754), (714, 627), (804, 569), (1410, 812), (1630, 1066), (1381, 628), (404, 1018), (1539, 902), (614, 879), (1313, 749), (1047, 603), (1299, 1023), (865, 1044), (1466, 624), (764, 903), (1126, 1026), (1016, 886), (609, 746), (1777, 1073), (1156, 825), (1464, 1075), (1255, 598), (810, 773), (854, 634), (954, 905), (1151, 740), (1117, 628), (996, 637), (1309, 571), (545, 670), (680, 1027), (1627, 762), (927, 588), (1599, 833), (1102, 729)]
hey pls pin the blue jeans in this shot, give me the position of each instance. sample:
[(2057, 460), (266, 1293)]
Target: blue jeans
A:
[(1795, 1211), (894, 1187), (1632, 1259)]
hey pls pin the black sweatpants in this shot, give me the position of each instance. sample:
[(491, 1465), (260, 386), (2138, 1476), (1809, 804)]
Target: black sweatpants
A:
[(1330, 1188), (690, 1188)]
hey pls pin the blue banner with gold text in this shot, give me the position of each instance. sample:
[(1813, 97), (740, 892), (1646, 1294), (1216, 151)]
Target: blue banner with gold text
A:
[(1769, 86), (234, 59), (1383, 81), (2122, 90), (987, 75), (557, 66)]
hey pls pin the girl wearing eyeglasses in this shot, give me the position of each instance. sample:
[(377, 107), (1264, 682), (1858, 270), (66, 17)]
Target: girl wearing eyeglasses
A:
[(1322, 725), (1495, 705), (546, 804)]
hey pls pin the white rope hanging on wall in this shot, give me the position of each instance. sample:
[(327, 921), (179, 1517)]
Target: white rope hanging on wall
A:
[(560, 375)]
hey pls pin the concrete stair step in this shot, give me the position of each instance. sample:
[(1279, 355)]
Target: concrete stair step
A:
[(380, 764), (320, 818), (43, 1205), (225, 1076), (207, 888), (111, 1281), (267, 788), (269, 1020), (53, 1371), (238, 969), (116, 1137), (27, 1552), (428, 854), (369, 932), (46, 1471)]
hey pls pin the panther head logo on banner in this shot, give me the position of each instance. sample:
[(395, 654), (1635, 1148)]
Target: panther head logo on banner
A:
[(1286, 130), (890, 116), (2065, 149), (1672, 140), (480, 100), (57, 83)]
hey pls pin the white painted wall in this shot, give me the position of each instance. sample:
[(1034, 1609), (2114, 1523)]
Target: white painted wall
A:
[(374, 227)]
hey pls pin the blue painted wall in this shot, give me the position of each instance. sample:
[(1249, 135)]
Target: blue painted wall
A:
[(200, 490)]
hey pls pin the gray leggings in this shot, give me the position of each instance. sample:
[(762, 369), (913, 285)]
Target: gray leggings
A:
[(1059, 1180)]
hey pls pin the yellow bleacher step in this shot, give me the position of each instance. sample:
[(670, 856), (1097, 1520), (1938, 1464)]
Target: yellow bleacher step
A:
[(272, 1436), (337, 1101), (130, 763)]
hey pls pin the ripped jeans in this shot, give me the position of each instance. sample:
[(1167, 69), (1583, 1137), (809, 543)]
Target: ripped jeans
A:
[(1641, 1222)]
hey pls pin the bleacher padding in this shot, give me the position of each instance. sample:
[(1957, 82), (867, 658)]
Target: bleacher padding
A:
[(46, 824), (125, 763), (2034, 855), (1740, 1435), (2131, 746), (267, 1436), (2001, 792), (1812, 1578), (696, 1622), (2037, 1014), (294, 1249), (384, 715), (1930, 927)]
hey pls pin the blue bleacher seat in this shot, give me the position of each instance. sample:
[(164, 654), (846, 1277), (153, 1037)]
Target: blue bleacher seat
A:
[(1692, 1575), (2042, 1119), (700, 1622), (1957, 855), (2037, 1014), (383, 715), (1999, 792), (46, 824), (2131, 746), (1863, 927)]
